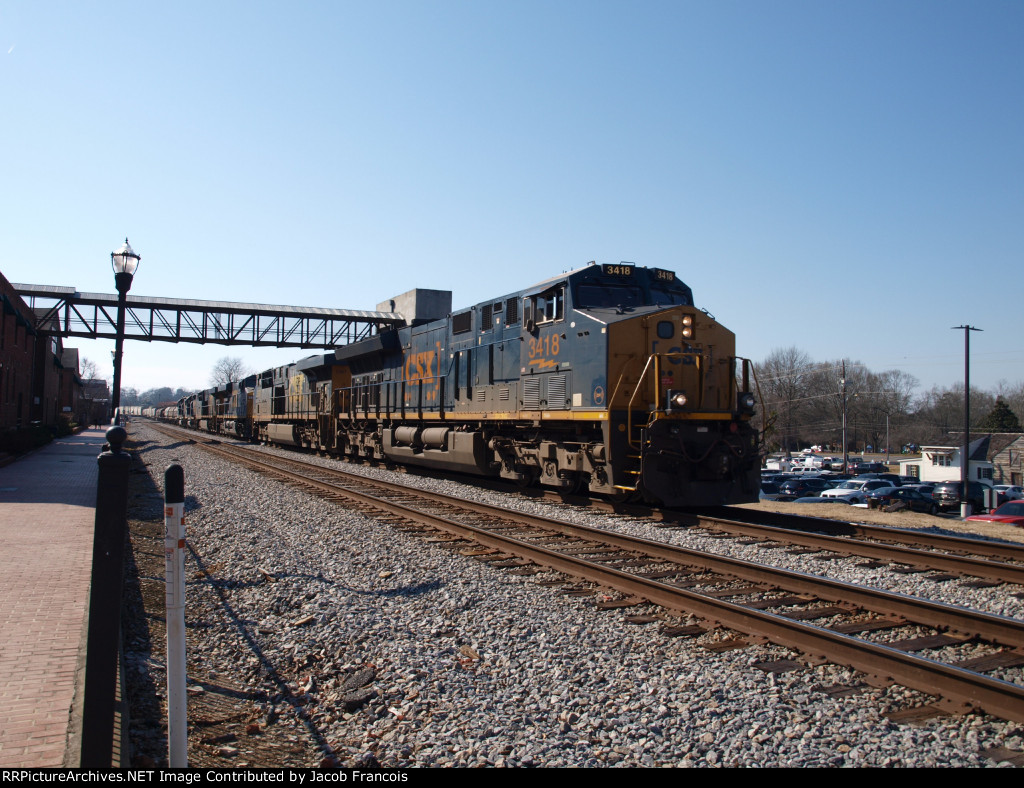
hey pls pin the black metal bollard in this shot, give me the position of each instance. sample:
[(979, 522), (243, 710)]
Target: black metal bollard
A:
[(174, 566), (104, 636)]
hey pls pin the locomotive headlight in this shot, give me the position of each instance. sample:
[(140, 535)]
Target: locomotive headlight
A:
[(687, 331), (745, 401)]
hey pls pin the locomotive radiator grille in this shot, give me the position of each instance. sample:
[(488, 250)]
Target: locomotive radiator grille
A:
[(531, 394), (556, 391)]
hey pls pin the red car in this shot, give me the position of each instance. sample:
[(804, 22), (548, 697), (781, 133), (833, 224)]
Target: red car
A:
[(1010, 513)]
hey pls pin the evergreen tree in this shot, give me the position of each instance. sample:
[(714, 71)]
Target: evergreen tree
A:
[(1000, 419)]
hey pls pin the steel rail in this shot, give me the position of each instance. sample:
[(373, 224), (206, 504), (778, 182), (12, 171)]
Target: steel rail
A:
[(892, 550), (997, 629), (978, 547), (951, 684), (976, 567)]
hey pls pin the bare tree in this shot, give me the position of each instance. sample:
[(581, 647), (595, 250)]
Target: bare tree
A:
[(227, 370), (885, 405), (940, 411), (782, 378), (87, 368), (804, 403)]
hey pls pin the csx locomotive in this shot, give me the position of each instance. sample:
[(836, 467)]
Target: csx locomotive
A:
[(606, 379)]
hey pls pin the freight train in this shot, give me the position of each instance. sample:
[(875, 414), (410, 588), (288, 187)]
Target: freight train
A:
[(606, 379)]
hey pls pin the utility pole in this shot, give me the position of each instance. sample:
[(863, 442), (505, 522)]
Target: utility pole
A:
[(842, 393), (965, 460)]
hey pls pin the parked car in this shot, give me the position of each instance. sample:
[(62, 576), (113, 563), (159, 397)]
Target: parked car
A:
[(947, 495), (914, 500), (1010, 513), (1008, 492), (856, 490), (769, 491), (892, 478), (860, 467), (799, 488)]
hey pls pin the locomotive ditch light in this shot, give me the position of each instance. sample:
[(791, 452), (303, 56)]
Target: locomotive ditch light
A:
[(676, 400)]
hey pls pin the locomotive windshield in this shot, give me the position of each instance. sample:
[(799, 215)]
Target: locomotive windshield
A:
[(665, 296), (595, 295), (601, 295)]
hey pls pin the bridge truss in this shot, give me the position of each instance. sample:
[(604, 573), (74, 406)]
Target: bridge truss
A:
[(69, 313)]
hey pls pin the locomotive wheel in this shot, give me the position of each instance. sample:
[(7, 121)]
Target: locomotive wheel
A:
[(577, 484), (527, 479)]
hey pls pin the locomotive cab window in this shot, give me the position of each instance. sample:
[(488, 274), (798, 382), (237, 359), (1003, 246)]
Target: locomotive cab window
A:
[(547, 307), (550, 305)]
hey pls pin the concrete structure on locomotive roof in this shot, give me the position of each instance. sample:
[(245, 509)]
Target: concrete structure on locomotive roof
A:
[(419, 305)]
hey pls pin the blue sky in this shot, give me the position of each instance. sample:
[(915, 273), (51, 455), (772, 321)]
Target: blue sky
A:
[(846, 178)]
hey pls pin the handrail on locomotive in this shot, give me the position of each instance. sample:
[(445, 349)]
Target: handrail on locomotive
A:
[(661, 409)]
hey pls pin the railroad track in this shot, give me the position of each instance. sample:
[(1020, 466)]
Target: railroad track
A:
[(882, 634), (991, 563)]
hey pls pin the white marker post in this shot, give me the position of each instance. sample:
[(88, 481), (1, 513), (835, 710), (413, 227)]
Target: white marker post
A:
[(174, 564)]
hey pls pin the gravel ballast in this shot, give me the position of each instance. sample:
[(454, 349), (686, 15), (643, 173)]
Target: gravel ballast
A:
[(384, 648)]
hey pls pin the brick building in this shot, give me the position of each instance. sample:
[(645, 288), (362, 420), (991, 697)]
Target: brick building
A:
[(17, 359), (39, 378)]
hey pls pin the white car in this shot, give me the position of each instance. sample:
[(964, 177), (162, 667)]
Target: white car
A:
[(1009, 492), (855, 490)]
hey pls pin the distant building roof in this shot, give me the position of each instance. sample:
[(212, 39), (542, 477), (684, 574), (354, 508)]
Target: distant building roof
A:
[(96, 388)]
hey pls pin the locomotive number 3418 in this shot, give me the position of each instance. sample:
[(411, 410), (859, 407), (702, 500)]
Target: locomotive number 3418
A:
[(541, 347)]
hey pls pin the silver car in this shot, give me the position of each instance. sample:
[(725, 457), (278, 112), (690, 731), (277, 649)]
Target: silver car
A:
[(856, 490), (1008, 492)]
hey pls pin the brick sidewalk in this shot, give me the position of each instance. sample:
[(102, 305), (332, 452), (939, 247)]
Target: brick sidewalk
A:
[(47, 512)]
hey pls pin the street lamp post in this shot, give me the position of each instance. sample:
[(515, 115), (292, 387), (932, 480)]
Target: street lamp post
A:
[(125, 262)]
